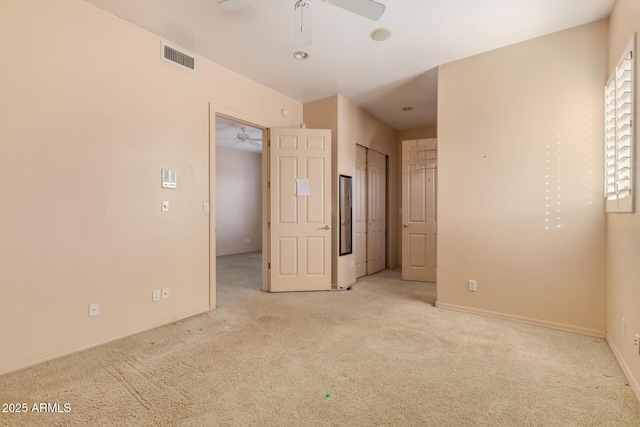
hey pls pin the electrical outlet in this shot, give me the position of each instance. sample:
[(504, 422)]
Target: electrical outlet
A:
[(94, 309), (247, 240), (165, 293), (636, 343), (205, 207), (472, 285), (155, 296)]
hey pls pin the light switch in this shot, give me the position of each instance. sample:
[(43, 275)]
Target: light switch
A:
[(165, 206)]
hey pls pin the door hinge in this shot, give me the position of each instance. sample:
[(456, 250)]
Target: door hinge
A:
[(269, 143), (269, 266), (268, 184), (268, 224)]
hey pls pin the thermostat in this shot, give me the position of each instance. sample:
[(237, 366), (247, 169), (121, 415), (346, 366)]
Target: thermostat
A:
[(169, 178)]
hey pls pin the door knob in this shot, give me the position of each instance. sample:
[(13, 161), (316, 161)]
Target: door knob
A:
[(326, 227), (405, 225)]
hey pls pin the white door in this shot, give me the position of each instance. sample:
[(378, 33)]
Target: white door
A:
[(300, 209), (376, 214), (419, 210), (361, 211)]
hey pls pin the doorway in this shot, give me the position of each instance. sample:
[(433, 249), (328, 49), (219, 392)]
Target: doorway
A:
[(238, 210), (370, 211)]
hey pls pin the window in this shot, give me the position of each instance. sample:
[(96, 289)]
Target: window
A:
[(619, 135)]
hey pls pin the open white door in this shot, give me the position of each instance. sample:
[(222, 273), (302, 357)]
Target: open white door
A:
[(300, 209), (419, 220)]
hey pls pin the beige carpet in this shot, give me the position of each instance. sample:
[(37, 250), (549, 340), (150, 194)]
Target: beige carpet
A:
[(380, 354)]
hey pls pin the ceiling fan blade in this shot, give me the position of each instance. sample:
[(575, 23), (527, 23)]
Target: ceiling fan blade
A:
[(233, 5), (302, 10), (368, 8)]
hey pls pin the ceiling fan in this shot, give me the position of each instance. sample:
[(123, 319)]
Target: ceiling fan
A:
[(243, 137), (370, 9)]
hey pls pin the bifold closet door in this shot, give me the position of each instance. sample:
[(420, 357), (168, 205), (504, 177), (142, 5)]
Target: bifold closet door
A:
[(360, 211), (376, 212)]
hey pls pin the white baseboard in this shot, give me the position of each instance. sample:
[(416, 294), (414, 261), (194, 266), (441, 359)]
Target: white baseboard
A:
[(522, 319), (29, 361), (635, 386)]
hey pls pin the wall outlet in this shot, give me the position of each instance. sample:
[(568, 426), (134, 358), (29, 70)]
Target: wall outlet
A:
[(624, 326), (636, 343), (472, 285), (165, 293), (155, 295), (247, 240), (94, 309), (205, 207)]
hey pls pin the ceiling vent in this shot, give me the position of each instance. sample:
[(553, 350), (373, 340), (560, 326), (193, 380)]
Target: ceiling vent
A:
[(179, 58)]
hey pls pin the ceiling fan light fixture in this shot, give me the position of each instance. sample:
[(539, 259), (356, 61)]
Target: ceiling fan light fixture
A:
[(300, 54), (302, 12), (381, 34)]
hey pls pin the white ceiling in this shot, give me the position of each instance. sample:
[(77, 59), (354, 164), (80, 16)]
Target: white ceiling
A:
[(381, 77)]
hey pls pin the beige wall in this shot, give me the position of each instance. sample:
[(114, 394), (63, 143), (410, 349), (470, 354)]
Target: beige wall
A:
[(238, 201), (520, 150), (351, 126), (422, 132), (90, 114), (623, 230)]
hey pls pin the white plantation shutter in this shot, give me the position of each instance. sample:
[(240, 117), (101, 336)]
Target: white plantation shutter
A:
[(619, 97)]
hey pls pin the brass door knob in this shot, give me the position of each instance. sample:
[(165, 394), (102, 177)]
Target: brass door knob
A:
[(326, 227), (405, 225)]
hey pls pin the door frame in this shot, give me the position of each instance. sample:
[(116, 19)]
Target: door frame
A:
[(237, 116)]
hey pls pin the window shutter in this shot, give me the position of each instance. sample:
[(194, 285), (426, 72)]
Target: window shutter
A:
[(619, 97)]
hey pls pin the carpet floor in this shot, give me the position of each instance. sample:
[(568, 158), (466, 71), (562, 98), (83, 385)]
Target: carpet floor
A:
[(378, 355)]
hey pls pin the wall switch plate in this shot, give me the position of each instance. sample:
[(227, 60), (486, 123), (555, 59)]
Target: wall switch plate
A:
[(165, 206), (472, 285), (636, 343), (169, 178), (94, 309), (205, 207), (155, 296), (165, 293)]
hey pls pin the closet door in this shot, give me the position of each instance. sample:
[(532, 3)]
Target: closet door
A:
[(376, 215), (360, 212)]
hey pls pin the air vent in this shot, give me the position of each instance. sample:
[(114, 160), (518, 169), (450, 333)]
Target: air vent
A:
[(178, 58)]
